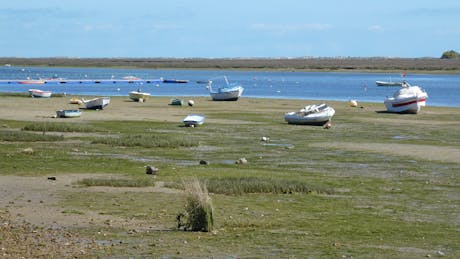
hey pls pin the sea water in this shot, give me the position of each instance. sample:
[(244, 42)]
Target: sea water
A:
[(443, 90)]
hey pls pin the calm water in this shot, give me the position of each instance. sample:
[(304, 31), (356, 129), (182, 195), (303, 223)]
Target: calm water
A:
[(443, 90)]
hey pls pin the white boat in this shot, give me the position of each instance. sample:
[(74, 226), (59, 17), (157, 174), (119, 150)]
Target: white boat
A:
[(193, 120), (138, 96), (32, 82), (96, 103), (39, 93), (68, 113), (408, 99), (316, 114), (131, 79), (385, 83), (229, 92)]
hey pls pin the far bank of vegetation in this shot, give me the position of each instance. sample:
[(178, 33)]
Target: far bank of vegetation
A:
[(451, 54), (376, 64)]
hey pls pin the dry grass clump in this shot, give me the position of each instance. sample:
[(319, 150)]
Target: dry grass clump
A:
[(198, 211)]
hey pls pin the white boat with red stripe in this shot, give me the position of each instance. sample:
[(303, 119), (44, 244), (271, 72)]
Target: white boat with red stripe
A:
[(39, 93), (408, 99)]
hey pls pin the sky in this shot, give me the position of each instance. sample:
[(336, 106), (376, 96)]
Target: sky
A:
[(228, 28)]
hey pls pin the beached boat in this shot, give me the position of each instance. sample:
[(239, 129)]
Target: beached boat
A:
[(177, 101), (138, 96), (96, 103), (229, 92), (68, 113), (386, 83), (316, 114), (75, 100), (39, 93), (408, 99), (193, 120)]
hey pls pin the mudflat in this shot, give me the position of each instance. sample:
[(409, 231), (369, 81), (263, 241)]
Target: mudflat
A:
[(391, 174)]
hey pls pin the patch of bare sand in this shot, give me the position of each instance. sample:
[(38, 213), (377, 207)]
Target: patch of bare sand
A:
[(425, 152), (36, 200)]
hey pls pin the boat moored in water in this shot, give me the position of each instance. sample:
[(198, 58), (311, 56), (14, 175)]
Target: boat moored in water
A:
[(385, 83)]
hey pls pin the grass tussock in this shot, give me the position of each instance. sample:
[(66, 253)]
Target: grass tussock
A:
[(242, 185), (58, 127), (117, 182), (198, 210), (148, 141), (14, 136)]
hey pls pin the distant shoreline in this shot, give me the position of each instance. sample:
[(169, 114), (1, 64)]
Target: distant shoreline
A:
[(377, 65)]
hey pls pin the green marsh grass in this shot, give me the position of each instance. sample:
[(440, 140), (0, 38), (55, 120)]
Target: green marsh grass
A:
[(18, 136), (58, 127), (148, 140), (244, 185), (116, 182)]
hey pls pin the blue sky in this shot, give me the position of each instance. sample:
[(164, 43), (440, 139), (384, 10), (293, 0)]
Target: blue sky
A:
[(229, 28)]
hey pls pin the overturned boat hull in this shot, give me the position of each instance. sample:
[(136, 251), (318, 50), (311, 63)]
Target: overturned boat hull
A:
[(97, 103)]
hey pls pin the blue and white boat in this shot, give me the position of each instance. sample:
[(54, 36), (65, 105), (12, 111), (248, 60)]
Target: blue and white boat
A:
[(229, 92), (68, 113), (193, 120)]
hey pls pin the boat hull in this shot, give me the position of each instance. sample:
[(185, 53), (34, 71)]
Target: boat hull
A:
[(407, 100), (310, 118), (97, 103), (177, 101), (32, 82), (405, 105), (39, 93), (193, 120), (383, 83), (137, 96), (227, 94), (68, 113)]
